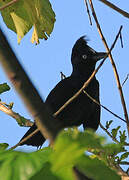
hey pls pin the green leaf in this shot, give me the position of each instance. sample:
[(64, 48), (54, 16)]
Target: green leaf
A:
[(3, 146), (113, 149), (69, 147), (4, 87), (124, 156), (96, 169), (20, 165), (108, 123), (115, 131), (22, 15), (45, 173), (122, 136), (16, 18)]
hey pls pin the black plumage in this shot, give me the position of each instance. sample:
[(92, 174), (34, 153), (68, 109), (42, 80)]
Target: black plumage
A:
[(81, 110)]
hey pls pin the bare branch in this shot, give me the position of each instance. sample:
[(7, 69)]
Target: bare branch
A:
[(113, 65), (8, 4), (94, 100), (20, 119), (25, 139), (121, 40), (125, 79), (88, 12), (124, 13)]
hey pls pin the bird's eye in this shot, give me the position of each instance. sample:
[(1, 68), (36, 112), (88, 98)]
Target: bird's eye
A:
[(84, 56)]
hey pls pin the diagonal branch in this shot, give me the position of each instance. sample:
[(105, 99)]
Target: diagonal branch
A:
[(25, 139), (88, 12), (124, 13), (94, 100), (8, 4), (23, 85), (113, 65), (20, 119)]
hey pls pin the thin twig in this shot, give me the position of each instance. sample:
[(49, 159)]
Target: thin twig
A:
[(113, 138), (125, 79), (121, 40), (124, 163), (124, 13), (88, 12), (90, 78), (25, 139), (16, 116), (95, 101), (113, 65), (8, 4)]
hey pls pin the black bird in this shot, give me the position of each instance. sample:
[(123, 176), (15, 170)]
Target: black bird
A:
[(82, 110)]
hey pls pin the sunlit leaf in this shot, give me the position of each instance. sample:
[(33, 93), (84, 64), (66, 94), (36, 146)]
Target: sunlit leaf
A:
[(20, 165), (108, 123), (22, 15), (69, 147)]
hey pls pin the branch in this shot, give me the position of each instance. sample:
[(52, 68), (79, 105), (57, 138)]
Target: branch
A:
[(45, 122), (125, 79), (113, 65), (88, 12), (94, 100), (8, 4), (124, 13), (20, 119), (25, 139)]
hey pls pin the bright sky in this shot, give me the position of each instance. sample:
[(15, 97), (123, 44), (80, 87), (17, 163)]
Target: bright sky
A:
[(44, 62)]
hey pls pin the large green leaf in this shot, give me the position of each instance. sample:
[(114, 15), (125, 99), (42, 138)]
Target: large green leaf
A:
[(45, 173), (24, 14), (96, 169), (19, 165), (68, 148), (69, 152)]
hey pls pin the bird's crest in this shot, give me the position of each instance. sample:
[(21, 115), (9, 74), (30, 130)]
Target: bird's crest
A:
[(80, 44)]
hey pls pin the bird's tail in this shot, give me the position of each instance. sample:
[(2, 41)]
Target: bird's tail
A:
[(35, 140)]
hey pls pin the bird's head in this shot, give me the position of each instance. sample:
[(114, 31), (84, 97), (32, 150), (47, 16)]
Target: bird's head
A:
[(84, 58)]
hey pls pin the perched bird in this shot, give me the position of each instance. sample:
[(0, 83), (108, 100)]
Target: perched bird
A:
[(81, 110)]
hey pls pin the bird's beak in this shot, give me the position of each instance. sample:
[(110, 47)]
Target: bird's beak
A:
[(99, 55)]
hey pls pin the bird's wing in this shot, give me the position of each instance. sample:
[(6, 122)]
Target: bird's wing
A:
[(60, 94), (94, 117)]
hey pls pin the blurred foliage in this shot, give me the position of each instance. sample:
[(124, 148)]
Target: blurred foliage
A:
[(58, 162)]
